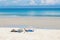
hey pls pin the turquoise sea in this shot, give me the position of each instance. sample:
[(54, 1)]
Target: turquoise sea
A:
[(16, 12)]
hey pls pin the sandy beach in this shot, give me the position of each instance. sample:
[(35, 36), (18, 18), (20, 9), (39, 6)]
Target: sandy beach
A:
[(39, 22), (38, 34), (47, 28)]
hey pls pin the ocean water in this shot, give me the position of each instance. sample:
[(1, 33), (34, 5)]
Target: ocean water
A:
[(38, 12)]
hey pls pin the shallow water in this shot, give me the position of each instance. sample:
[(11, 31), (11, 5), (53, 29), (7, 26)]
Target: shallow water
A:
[(30, 12)]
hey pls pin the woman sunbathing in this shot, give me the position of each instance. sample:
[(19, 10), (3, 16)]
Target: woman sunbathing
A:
[(28, 30)]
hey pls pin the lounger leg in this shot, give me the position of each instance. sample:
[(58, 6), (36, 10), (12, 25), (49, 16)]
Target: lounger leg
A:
[(24, 30)]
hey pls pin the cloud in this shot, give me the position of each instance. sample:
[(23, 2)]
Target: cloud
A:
[(28, 2), (32, 2), (50, 2)]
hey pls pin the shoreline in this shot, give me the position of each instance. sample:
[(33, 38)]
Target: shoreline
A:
[(38, 22)]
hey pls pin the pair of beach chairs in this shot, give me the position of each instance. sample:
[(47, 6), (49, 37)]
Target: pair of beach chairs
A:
[(20, 30)]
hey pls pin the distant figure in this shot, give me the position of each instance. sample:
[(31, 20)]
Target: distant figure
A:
[(19, 30), (28, 30), (13, 30), (25, 30)]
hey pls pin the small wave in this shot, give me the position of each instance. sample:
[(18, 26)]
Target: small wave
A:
[(9, 16)]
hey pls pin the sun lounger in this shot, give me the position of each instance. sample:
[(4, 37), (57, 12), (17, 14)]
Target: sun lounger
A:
[(13, 30), (29, 30), (19, 30)]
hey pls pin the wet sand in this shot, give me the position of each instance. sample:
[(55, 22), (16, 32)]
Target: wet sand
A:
[(39, 22)]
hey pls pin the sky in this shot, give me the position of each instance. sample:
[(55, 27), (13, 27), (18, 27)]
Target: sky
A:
[(5, 3)]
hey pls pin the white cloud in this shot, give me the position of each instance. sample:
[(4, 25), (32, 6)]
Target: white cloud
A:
[(42, 2), (51, 2), (28, 2), (16, 1), (57, 1), (32, 2)]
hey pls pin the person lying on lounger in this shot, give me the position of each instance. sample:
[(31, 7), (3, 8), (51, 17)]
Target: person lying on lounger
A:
[(19, 30), (28, 30)]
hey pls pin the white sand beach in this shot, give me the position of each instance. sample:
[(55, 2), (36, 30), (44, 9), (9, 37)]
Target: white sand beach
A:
[(38, 34), (49, 28), (40, 22)]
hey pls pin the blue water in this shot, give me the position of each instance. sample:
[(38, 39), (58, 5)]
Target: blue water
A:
[(52, 12)]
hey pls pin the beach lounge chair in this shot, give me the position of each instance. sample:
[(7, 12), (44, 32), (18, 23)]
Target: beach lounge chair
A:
[(13, 30), (29, 30), (19, 30)]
